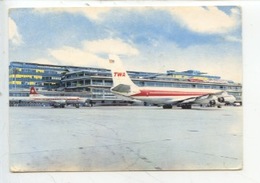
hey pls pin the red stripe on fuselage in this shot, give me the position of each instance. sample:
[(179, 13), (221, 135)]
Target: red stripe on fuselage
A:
[(161, 93)]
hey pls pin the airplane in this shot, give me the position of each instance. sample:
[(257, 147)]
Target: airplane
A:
[(17, 100), (167, 97), (57, 101)]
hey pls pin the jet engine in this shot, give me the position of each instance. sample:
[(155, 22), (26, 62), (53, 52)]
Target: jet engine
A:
[(227, 99), (222, 100)]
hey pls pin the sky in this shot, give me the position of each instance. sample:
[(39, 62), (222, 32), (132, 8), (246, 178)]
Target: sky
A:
[(151, 39)]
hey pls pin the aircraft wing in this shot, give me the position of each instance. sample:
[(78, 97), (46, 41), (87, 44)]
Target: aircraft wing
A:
[(206, 97), (212, 99)]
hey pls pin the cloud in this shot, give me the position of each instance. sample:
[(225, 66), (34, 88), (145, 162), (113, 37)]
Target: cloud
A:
[(14, 35), (209, 20), (76, 57), (110, 46), (89, 12), (88, 54)]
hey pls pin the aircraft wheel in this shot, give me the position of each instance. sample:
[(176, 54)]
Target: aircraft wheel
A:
[(167, 106), (186, 107)]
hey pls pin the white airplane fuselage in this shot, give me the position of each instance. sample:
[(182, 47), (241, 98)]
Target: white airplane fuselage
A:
[(163, 95), (55, 99), (167, 95)]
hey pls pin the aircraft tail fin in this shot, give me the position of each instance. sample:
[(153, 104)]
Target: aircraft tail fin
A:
[(33, 92), (121, 80)]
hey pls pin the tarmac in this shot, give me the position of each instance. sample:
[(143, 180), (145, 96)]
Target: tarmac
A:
[(125, 138)]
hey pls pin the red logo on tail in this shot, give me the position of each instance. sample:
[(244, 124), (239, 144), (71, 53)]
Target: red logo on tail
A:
[(119, 74), (33, 91)]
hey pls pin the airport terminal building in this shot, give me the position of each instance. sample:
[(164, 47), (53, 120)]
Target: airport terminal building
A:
[(95, 83)]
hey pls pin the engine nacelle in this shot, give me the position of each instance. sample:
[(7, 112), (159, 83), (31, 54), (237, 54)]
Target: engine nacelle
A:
[(227, 99), (215, 103), (212, 102), (221, 99)]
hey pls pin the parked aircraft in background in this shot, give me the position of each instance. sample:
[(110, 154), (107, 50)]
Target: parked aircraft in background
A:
[(162, 96), (55, 101)]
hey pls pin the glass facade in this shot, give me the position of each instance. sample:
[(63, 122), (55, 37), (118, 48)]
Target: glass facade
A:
[(25, 75)]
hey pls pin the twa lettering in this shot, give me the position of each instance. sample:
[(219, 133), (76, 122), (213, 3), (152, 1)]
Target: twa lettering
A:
[(119, 74)]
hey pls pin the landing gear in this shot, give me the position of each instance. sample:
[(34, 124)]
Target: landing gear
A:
[(186, 106), (167, 106), (58, 105)]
